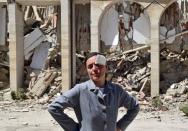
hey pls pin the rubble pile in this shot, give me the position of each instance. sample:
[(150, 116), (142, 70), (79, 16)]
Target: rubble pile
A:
[(4, 67), (42, 58), (173, 68), (44, 17), (47, 81), (131, 69), (41, 51)]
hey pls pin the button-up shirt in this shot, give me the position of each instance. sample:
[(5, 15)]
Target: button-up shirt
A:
[(95, 110)]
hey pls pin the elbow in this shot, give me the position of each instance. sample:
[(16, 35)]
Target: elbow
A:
[(137, 108), (51, 109)]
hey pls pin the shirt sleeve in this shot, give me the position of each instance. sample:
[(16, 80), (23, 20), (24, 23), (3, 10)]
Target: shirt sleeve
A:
[(56, 109), (132, 106)]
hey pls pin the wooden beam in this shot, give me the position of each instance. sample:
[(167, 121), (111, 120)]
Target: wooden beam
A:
[(174, 36)]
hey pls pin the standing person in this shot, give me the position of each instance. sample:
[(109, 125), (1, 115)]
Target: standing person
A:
[(95, 102)]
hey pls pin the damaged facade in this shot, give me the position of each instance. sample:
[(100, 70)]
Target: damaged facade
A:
[(145, 42)]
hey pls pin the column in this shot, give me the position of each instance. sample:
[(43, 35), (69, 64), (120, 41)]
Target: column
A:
[(95, 15), (154, 12), (16, 46), (65, 44), (74, 44), (97, 8)]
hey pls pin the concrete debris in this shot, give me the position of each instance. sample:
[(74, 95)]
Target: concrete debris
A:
[(129, 66), (53, 57), (40, 55), (41, 52), (43, 82), (31, 41), (178, 88), (173, 68), (4, 68), (131, 69)]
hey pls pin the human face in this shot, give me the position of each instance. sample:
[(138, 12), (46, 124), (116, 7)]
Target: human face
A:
[(96, 72)]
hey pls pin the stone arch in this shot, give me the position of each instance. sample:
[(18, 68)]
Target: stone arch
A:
[(109, 11), (172, 41), (167, 5)]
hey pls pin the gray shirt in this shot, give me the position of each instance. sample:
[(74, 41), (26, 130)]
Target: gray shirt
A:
[(95, 110)]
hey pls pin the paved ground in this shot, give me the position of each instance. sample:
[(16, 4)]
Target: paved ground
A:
[(36, 118)]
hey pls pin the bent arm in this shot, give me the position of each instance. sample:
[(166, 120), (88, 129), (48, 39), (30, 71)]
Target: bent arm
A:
[(132, 110), (56, 109)]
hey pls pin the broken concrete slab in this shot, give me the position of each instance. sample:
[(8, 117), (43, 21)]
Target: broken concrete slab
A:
[(31, 41), (42, 83), (40, 55)]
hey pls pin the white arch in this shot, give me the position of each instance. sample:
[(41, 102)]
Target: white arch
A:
[(108, 26)]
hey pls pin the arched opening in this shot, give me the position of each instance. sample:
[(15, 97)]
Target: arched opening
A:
[(124, 26), (174, 46), (124, 33)]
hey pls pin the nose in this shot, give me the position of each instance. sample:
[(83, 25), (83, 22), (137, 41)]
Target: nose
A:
[(95, 67)]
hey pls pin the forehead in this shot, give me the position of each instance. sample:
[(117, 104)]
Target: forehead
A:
[(97, 59), (91, 59)]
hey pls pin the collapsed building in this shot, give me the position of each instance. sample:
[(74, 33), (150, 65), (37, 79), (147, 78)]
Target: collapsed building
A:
[(145, 42)]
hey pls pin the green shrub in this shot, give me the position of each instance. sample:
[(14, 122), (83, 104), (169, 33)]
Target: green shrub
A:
[(157, 102), (18, 95)]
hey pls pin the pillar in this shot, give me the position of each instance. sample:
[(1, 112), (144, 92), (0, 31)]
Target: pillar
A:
[(16, 46), (97, 8), (65, 44), (154, 12), (74, 44)]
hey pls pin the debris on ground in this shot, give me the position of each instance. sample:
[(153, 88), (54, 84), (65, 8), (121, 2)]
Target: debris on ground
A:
[(130, 68)]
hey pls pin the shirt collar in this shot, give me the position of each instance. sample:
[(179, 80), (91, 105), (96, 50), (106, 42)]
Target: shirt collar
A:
[(107, 87)]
